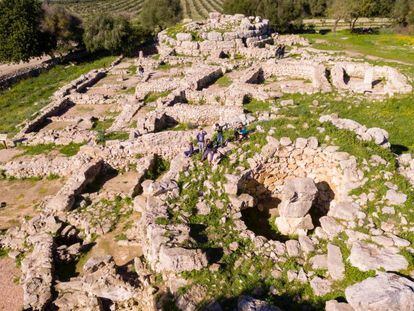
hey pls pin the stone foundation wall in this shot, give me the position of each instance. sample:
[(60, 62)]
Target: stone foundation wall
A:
[(308, 70), (204, 114), (395, 82)]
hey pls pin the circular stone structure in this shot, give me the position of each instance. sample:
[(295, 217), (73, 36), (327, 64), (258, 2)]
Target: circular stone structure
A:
[(292, 179)]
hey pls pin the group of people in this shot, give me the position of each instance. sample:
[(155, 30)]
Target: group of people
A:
[(208, 148), (280, 51)]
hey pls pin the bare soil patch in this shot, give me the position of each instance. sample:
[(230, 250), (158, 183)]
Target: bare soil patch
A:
[(22, 196), (11, 298)]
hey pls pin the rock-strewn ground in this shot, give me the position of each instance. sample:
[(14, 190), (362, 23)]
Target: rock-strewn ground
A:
[(310, 209)]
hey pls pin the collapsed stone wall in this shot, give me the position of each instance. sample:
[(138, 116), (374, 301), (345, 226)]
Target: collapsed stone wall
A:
[(166, 247), (195, 78), (219, 34), (65, 198), (43, 166), (66, 136), (375, 134), (35, 237)]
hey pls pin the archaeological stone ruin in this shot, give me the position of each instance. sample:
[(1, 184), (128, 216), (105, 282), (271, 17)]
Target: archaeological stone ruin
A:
[(128, 222)]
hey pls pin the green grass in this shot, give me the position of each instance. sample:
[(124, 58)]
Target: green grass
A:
[(102, 125), (103, 137), (183, 127), (384, 45), (38, 149), (129, 91), (67, 150), (224, 81), (153, 96), (70, 150), (160, 167), (28, 96), (254, 105)]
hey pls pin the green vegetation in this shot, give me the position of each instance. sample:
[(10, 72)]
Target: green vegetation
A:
[(184, 127), (65, 28), (160, 14), (103, 136), (3, 252), (254, 105), (153, 96), (29, 29), (112, 33), (24, 99), (384, 45), (21, 36), (159, 167), (67, 150), (224, 81)]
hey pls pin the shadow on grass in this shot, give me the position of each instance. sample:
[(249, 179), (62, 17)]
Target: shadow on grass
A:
[(398, 149)]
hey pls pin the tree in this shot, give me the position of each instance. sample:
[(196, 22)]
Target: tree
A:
[(281, 14), (315, 8), (338, 9), (160, 14), (403, 12), (360, 8), (21, 37), (64, 27), (111, 33), (351, 10), (247, 7)]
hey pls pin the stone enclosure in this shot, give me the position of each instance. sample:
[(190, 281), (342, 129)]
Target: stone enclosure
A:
[(128, 187)]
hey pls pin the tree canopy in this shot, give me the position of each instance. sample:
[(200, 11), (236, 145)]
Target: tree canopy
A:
[(113, 33), (21, 37), (64, 27), (160, 14)]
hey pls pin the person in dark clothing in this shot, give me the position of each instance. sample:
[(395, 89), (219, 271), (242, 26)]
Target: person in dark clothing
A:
[(277, 54), (282, 51), (188, 153), (201, 140), (219, 131), (209, 150), (236, 134), (244, 132), (141, 71)]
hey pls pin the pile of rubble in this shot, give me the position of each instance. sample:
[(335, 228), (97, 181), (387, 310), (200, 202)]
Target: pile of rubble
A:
[(377, 135)]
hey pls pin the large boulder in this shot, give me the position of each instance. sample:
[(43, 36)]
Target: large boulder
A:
[(297, 197), (100, 279), (336, 265), (384, 292), (366, 257)]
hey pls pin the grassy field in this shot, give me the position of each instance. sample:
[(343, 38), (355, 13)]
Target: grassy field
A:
[(396, 115), (195, 9), (383, 45), (25, 98)]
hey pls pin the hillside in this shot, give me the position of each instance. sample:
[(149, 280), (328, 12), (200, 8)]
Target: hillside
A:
[(195, 9), (234, 169)]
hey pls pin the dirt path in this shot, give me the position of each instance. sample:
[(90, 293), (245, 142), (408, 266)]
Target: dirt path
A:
[(10, 68), (11, 293)]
